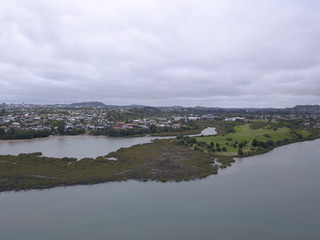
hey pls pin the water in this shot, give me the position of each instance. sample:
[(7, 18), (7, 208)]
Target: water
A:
[(71, 146), (76, 146), (271, 196), (206, 132)]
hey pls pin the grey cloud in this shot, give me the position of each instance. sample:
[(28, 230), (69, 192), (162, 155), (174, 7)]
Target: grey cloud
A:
[(214, 53)]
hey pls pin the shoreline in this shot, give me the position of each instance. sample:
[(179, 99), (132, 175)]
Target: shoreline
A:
[(268, 149), (174, 134), (45, 138), (162, 134)]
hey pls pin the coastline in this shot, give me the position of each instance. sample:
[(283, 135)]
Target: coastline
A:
[(45, 138), (202, 127), (192, 133), (169, 134), (270, 149)]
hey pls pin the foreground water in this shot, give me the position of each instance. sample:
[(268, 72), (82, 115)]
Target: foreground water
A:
[(271, 196), (77, 146)]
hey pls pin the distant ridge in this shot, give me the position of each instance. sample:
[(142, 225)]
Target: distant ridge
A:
[(88, 104), (307, 108), (298, 109), (200, 109)]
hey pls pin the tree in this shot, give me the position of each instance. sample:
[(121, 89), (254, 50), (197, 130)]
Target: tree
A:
[(2, 132), (270, 143), (179, 137), (240, 152), (192, 140), (254, 142), (61, 126)]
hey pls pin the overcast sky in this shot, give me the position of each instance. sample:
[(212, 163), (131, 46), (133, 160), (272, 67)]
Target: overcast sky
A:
[(224, 53)]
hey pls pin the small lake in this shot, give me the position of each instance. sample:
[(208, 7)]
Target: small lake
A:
[(271, 196), (77, 146)]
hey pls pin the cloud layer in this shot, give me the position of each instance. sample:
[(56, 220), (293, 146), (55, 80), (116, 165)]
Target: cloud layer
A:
[(227, 53)]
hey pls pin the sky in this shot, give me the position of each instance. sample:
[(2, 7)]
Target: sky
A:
[(215, 53)]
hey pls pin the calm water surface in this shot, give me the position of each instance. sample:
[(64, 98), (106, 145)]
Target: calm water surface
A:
[(76, 146), (270, 196), (71, 146)]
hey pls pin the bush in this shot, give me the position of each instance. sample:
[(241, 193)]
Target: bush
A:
[(270, 143), (254, 142), (179, 137), (240, 152), (196, 148), (191, 140)]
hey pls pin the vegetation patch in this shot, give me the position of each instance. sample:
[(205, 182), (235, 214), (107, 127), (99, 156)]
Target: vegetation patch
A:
[(162, 160), (248, 139)]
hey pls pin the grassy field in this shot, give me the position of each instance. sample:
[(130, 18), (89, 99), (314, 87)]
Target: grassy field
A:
[(243, 136)]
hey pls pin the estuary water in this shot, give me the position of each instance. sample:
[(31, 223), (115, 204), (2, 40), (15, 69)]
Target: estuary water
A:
[(271, 196), (77, 146), (71, 146)]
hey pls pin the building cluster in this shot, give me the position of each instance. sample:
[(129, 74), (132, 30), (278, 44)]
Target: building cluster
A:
[(87, 119), (304, 119), (46, 117)]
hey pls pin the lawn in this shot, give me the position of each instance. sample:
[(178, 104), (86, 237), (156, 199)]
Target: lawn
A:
[(245, 134)]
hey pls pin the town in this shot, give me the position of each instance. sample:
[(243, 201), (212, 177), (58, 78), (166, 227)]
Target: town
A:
[(19, 121)]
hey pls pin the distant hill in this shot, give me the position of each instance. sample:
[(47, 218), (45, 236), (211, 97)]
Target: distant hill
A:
[(134, 106), (88, 104), (146, 110), (307, 108), (298, 109)]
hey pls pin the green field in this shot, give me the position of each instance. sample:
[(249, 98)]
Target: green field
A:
[(244, 135)]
